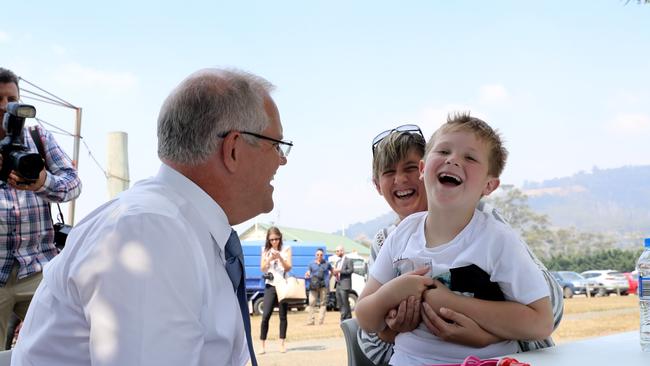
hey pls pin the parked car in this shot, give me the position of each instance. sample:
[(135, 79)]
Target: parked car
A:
[(633, 281), (610, 281), (573, 283)]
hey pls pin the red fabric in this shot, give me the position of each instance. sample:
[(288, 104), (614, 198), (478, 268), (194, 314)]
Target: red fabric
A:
[(475, 361)]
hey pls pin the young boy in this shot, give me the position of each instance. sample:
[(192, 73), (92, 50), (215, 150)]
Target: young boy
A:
[(481, 259)]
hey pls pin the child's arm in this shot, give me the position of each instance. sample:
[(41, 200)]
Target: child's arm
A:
[(377, 300), (504, 319)]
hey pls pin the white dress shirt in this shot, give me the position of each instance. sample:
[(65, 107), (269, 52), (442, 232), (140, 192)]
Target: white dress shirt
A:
[(141, 281)]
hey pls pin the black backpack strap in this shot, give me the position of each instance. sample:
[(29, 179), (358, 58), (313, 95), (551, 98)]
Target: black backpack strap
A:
[(36, 136)]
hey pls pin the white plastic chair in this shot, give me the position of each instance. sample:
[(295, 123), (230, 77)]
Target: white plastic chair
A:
[(5, 358), (355, 355)]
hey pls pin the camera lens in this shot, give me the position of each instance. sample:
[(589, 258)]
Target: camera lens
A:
[(28, 165)]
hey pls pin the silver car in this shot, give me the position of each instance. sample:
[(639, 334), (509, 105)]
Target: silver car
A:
[(610, 281), (574, 284)]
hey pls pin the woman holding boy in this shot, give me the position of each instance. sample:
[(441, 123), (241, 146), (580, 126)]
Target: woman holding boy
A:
[(463, 162)]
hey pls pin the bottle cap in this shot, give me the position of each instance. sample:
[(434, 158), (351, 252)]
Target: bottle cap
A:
[(647, 243)]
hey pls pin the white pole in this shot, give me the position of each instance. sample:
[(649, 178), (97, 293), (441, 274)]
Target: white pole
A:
[(118, 163), (75, 160)]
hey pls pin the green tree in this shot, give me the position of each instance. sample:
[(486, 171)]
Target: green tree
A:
[(616, 259), (513, 205), (535, 228)]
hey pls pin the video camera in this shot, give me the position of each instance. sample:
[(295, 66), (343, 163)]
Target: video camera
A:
[(15, 155)]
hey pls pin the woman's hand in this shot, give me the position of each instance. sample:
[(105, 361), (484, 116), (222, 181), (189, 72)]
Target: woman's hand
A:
[(273, 254), (455, 327), (405, 317)]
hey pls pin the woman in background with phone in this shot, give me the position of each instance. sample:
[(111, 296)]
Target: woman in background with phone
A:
[(275, 264)]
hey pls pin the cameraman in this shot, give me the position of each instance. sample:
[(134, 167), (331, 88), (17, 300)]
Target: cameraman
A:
[(27, 236)]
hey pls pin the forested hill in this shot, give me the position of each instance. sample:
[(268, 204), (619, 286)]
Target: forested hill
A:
[(602, 200)]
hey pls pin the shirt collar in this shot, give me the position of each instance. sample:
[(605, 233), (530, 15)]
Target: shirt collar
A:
[(213, 215)]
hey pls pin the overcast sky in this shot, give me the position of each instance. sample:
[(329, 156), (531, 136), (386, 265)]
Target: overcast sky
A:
[(566, 82)]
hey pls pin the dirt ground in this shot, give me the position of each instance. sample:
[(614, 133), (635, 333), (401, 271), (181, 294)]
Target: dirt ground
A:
[(324, 345)]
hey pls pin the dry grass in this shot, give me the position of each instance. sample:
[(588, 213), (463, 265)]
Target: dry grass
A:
[(582, 304), (297, 329), (585, 318)]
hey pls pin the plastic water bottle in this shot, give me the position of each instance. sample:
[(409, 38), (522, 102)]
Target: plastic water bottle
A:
[(643, 267)]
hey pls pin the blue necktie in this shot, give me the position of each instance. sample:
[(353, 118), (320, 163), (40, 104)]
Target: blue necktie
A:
[(235, 269)]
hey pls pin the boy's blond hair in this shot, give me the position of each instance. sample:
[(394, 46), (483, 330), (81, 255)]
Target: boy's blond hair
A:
[(393, 148), (462, 121)]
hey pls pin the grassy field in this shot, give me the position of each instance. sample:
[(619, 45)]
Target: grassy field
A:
[(324, 344), (593, 317)]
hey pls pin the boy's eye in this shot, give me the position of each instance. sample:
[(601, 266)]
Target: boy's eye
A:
[(470, 158), (388, 172)]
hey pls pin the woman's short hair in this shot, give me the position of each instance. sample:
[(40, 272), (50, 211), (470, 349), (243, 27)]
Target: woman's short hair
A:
[(393, 148)]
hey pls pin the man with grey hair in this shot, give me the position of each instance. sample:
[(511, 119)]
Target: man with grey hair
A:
[(155, 276)]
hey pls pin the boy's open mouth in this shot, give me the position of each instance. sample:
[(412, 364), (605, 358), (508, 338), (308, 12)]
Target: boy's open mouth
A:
[(405, 193), (449, 179)]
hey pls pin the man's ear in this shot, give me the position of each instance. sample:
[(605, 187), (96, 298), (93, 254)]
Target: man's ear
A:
[(491, 185), (230, 150)]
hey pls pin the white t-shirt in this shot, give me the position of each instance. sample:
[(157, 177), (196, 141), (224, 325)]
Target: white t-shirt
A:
[(485, 251), (275, 266), (141, 281)]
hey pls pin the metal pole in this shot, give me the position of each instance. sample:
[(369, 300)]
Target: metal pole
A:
[(75, 159)]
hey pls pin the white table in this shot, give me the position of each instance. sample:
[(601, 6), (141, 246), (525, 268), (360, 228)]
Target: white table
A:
[(617, 349)]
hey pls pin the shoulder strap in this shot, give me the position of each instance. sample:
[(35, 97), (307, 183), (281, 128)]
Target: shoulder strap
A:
[(36, 136)]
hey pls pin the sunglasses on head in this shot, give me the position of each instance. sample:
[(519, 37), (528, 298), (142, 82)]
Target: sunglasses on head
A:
[(403, 128)]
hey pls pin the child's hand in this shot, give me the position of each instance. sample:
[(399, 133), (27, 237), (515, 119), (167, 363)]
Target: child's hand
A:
[(409, 284), (455, 327), (406, 317), (439, 296)]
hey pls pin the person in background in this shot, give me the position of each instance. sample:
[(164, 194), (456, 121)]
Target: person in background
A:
[(27, 236), (395, 174), (333, 259), (343, 272), (156, 275), (275, 264), (318, 273)]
